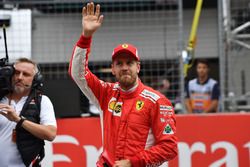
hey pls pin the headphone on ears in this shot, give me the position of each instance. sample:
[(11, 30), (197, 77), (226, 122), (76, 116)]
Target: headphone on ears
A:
[(37, 82)]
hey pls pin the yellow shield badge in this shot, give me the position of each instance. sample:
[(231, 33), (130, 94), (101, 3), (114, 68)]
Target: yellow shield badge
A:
[(139, 105)]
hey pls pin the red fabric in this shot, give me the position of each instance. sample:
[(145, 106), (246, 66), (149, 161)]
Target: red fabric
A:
[(84, 42), (130, 119), (126, 48)]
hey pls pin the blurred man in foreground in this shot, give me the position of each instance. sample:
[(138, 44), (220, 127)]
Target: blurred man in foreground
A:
[(26, 118)]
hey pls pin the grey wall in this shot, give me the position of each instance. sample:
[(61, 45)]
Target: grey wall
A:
[(207, 42), (54, 36), (239, 62), (154, 33)]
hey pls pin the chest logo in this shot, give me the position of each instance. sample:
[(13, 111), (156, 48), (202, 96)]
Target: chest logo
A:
[(139, 105), (115, 107)]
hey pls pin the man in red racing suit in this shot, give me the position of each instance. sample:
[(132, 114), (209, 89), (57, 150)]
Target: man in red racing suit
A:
[(138, 123)]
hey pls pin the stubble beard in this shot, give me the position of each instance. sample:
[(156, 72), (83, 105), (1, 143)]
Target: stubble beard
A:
[(127, 82), (19, 89)]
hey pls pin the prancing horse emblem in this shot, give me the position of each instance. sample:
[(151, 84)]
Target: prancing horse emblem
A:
[(139, 105)]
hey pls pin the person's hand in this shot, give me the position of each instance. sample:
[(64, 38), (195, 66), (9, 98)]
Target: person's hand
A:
[(91, 19), (9, 112), (122, 163)]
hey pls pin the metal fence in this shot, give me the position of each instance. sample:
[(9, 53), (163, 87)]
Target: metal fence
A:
[(234, 35), (47, 30), (55, 26)]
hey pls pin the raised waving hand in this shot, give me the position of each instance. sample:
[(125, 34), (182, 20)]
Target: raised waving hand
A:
[(91, 19)]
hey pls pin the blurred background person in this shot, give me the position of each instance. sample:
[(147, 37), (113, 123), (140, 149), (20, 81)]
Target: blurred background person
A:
[(164, 87), (202, 93)]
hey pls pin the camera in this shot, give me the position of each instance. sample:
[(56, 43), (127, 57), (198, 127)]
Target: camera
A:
[(6, 70), (6, 73)]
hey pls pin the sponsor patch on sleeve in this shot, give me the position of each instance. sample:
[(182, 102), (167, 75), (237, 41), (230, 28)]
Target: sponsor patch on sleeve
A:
[(168, 130), (150, 94), (166, 108)]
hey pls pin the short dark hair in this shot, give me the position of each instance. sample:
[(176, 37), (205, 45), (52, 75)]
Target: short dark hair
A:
[(202, 61)]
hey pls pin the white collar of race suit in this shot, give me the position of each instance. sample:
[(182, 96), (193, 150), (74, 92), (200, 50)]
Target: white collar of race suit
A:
[(131, 89)]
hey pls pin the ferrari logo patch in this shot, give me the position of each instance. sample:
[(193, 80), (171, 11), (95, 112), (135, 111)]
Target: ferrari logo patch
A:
[(125, 46), (139, 105)]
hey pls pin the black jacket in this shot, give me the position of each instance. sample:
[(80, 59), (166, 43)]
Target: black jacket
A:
[(29, 146)]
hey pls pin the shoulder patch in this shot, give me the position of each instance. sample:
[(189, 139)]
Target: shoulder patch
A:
[(150, 94), (166, 108), (168, 130)]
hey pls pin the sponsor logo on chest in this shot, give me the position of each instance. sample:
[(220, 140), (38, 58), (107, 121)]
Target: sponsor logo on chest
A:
[(115, 107)]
